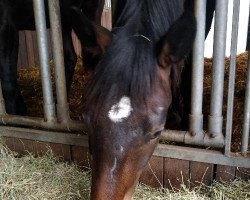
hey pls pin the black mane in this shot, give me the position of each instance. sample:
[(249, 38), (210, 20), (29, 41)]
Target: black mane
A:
[(129, 66)]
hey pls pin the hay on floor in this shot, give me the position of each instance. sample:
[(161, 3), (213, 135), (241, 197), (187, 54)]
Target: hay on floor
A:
[(45, 177)]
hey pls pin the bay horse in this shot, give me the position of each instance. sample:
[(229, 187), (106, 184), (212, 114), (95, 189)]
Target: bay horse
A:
[(129, 95), (18, 15)]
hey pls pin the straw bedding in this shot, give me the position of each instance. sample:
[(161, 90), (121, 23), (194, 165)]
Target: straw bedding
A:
[(30, 83), (31, 88), (240, 83), (46, 177)]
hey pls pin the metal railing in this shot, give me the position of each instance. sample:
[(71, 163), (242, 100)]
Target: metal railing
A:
[(214, 137), (57, 119)]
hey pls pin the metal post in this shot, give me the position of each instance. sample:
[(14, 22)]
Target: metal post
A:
[(201, 155), (107, 4), (196, 116), (56, 34), (231, 81), (245, 133), (215, 119), (202, 139), (40, 123), (42, 41)]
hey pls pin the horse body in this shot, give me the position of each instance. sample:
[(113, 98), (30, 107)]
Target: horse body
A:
[(129, 95), (18, 15)]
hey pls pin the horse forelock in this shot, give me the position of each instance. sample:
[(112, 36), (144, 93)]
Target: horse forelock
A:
[(128, 69)]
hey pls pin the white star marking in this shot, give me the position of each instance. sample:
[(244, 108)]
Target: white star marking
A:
[(121, 110)]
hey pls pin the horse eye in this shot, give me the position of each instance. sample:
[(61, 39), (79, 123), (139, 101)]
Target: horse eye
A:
[(157, 134), (153, 135)]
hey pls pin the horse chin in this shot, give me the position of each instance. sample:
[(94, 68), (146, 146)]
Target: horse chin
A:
[(128, 196), (130, 192), (110, 192)]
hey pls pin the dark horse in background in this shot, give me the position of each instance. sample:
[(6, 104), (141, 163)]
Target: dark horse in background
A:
[(18, 15), (129, 95)]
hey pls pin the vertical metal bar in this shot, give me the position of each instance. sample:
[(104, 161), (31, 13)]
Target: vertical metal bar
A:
[(107, 4), (245, 133), (215, 119), (196, 116), (56, 34), (42, 40), (231, 81), (2, 103)]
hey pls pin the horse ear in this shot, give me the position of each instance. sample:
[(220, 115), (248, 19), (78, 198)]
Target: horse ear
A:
[(90, 34), (178, 41)]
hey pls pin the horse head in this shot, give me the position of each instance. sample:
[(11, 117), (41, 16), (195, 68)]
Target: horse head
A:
[(129, 95)]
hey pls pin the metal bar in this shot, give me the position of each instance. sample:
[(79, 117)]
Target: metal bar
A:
[(170, 151), (196, 116), (202, 155), (245, 132), (107, 4), (44, 136), (42, 41), (56, 34), (201, 139), (215, 119), (231, 81), (40, 123), (168, 135), (2, 102)]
